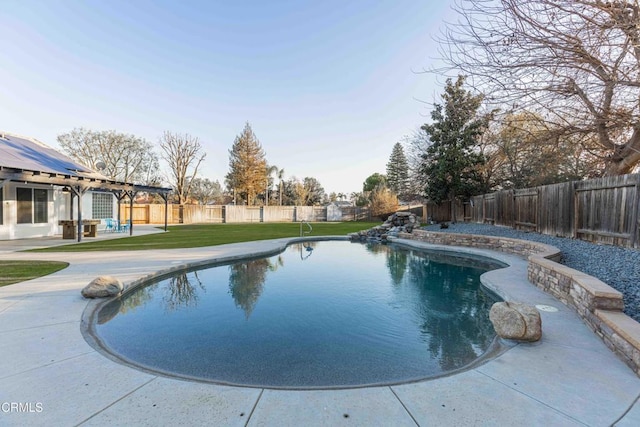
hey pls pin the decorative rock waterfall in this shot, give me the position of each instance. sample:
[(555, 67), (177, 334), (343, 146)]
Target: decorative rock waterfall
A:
[(396, 223)]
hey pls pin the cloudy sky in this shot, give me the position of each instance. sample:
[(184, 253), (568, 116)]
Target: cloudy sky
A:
[(328, 86)]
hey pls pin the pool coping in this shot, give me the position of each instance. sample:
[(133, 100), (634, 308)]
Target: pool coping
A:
[(50, 363), (598, 304)]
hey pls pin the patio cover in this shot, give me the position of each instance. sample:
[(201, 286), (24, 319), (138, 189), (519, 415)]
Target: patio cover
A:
[(28, 160)]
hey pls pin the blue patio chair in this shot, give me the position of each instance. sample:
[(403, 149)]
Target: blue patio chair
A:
[(110, 225), (124, 226)]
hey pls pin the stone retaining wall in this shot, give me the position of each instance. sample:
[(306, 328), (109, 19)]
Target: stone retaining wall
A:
[(599, 305)]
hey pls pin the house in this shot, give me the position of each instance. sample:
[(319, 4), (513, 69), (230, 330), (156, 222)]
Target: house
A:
[(39, 185), (343, 203)]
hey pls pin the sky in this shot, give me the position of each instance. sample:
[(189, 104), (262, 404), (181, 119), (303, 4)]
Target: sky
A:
[(328, 87)]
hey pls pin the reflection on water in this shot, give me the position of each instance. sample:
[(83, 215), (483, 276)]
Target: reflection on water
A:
[(453, 312), (351, 314), (452, 309), (182, 291), (397, 261), (246, 281)]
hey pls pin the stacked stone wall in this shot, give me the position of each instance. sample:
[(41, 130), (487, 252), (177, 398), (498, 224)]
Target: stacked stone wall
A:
[(599, 305)]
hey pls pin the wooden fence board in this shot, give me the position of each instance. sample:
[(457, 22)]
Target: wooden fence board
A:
[(525, 203), (603, 210), (190, 214)]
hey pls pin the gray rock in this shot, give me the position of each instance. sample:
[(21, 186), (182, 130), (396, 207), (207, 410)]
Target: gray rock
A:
[(394, 224), (103, 286), (516, 321)]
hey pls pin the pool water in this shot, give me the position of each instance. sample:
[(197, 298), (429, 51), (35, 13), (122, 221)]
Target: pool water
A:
[(322, 314)]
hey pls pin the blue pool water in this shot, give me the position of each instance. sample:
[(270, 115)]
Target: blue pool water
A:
[(323, 314)]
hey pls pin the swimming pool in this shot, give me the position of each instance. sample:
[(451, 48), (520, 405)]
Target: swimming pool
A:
[(318, 315)]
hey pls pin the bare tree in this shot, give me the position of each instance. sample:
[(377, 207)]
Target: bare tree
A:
[(117, 155), (383, 201), (575, 62), (205, 191), (183, 155), (522, 152)]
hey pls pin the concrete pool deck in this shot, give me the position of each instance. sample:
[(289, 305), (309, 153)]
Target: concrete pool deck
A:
[(49, 374)]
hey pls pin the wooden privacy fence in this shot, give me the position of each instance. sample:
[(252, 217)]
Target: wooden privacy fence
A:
[(603, 210), (192, 214)]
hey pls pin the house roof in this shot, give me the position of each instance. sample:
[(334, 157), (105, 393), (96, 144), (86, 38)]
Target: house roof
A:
[(29, 160), (32, 155)]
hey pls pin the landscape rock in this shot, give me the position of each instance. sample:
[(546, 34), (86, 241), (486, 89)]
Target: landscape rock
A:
[(516, 321), (103, 286), (396, 223)]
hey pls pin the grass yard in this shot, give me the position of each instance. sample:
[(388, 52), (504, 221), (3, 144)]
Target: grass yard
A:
[(19, 271), (198, 235)]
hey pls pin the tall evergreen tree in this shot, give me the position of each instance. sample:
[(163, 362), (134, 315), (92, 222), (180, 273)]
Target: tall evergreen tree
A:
[(398, 170), (247, 175), (450, 163)]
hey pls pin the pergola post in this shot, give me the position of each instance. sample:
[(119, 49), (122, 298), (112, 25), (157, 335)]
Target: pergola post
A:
[(165, 197), (79, 192), (132, 195), (119, 196)]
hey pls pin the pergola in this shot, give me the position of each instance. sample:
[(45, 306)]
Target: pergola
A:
[(78, 186), (30, 161)]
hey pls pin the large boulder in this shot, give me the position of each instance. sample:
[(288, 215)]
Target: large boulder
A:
[(516, 321), (103, 286)]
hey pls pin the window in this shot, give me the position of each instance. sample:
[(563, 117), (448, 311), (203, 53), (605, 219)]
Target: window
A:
[(24, 198), (40, 206), (102, 205), (33, 205)]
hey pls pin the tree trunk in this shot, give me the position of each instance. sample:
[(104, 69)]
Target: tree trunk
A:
[(624, 159)]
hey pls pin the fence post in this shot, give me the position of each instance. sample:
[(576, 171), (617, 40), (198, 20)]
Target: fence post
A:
[(634, 216), (514, 217), (295, 214), (484, 209), (574, 225)]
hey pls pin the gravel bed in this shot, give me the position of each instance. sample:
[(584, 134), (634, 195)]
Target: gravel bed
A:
[(617, 267)]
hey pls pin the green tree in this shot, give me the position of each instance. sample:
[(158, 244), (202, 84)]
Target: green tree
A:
[(280, 184), (373, 181), (271, 170), (247, 175), (450, 164), (359, 198), (307, 192), (315, 192), (398, 170)]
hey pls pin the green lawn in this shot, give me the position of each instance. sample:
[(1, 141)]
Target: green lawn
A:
[(197, 235), (19, 271)]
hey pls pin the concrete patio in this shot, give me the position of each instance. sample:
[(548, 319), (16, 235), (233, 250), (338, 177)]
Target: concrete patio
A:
[(49, 374)]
